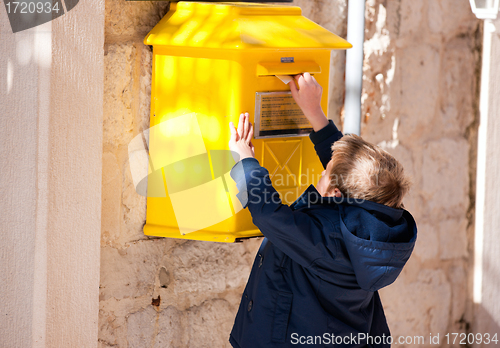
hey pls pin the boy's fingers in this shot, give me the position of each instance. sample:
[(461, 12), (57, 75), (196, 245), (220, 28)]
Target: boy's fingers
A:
[(232, 129), (299, 81), (293, 89), (245, 126), (316, 82), (250, 134), (240, 124), (307, 77)]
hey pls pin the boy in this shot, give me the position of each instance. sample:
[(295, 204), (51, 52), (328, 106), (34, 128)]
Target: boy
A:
[(315, 278)]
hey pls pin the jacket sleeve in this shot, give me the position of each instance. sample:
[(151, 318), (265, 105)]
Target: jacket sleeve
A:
[(296, 233), (323, 140)]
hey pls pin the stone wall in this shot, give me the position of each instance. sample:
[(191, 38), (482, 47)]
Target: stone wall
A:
[(198, 284), (419, 98), (420, 101)]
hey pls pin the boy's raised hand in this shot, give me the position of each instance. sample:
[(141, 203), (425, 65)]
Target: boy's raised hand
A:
[(308, 98), (241, 138)]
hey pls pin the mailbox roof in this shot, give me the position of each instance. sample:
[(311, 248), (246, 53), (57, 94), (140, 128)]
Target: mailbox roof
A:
[(240, 26)]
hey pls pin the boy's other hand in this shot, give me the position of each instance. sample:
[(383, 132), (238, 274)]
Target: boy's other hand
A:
[(241, 138), (308, 98)]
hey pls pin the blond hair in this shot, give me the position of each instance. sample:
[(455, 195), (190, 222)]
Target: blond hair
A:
[(361, 170)]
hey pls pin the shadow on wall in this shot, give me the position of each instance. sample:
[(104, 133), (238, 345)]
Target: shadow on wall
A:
[(484, 323), (25, 62), (486, 313)]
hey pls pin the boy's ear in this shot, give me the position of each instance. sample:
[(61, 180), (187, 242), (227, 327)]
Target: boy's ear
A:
[(334, 193)]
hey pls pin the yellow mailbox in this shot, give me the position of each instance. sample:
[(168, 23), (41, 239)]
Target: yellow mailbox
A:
[(212, 61)]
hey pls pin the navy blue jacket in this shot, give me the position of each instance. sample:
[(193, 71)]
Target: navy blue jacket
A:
[(316, 275)]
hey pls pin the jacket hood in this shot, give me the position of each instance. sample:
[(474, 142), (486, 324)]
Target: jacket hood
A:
[(379, 241)]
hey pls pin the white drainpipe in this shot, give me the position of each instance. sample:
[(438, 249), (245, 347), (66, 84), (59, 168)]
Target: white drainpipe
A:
[(354, 66)]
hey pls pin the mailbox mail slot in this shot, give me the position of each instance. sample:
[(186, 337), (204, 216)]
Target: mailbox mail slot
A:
[(277, 68), (212, 61)]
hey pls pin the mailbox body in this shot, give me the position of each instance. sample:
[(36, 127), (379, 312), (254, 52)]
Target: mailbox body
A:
[(214, 79)]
